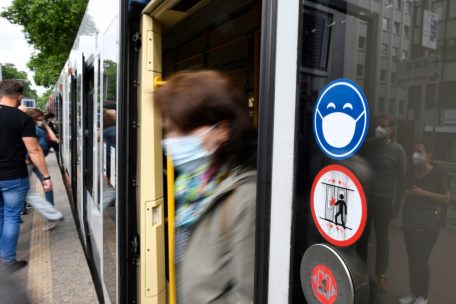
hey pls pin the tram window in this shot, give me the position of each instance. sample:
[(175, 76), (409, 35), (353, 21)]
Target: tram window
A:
[(405, 68)]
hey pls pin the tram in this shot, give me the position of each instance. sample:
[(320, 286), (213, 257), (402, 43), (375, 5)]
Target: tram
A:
[(306, 67)]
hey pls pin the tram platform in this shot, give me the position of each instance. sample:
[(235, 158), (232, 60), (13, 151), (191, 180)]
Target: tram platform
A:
[(57, 270)]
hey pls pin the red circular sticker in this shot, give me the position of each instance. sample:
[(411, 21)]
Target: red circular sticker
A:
[(338, 205), (324, 284)]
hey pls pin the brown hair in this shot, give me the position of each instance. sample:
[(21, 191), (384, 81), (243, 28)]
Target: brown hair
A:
[(11, 87), (389, 118), (35, 114), (194, 99)]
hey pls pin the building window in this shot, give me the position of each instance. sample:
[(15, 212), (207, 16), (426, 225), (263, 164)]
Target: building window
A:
[(392, 106), (360, 70), (404, 55), (407, 7), (395, 52), (393, 77), (381, 104), (407, 31), (397, 4), (384, 49), (397, 28), (362, 42), (401, 106), (450, 54), (382, 75), (386, 24)]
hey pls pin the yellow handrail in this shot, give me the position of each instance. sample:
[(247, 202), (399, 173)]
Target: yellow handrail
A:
[(158, 82), (171, 250)]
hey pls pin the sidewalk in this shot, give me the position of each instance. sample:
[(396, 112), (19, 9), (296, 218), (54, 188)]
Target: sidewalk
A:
[(57, 271)]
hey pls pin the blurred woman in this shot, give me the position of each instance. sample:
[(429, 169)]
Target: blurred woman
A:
[(209, 137), (427, 190), (44, 206)]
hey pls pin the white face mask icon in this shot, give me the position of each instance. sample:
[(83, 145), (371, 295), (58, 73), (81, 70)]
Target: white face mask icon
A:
[(339, 127)]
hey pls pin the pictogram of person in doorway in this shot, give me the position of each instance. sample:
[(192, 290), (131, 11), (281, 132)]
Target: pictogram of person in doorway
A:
[(342, 212)]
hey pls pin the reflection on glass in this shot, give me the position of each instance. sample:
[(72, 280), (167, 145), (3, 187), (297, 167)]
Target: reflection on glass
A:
[(402, 54), (108, 166)]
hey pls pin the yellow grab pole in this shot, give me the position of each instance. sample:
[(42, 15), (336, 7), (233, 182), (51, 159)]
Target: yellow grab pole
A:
[(159, 82), (171, 212)]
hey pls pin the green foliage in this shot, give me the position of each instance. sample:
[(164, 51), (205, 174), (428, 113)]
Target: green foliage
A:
[(11, 72), (41, 101), (50, 26), (110, 81)]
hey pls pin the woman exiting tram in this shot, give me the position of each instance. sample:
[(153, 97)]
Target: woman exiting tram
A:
[(208, 135), (427, 190)]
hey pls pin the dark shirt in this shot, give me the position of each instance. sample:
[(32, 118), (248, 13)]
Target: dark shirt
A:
[(388, 162), (14, 125), (435, 181)]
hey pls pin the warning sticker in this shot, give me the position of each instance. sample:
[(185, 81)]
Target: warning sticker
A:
[(324, 284), (338, 205)]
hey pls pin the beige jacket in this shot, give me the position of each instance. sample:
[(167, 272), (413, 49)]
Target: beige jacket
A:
[(218, 264)]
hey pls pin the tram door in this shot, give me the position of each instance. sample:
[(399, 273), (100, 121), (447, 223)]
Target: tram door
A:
[(372, 217)]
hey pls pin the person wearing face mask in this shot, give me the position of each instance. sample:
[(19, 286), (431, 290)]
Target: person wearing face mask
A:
[(387, 159), (427, 191), (210, 139)]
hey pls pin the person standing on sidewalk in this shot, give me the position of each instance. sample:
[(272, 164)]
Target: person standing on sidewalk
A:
[(17, 138), (388, 161)]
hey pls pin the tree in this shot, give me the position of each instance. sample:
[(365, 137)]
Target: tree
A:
[(11, 72), (110, 81), (50, 27), (43, 99)]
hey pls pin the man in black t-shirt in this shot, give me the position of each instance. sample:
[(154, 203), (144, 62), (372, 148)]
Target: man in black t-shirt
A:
[(17, 138)]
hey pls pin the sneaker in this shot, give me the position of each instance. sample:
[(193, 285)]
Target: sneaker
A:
[(15, 266), (420, 300), (50, 225), (406, 300)]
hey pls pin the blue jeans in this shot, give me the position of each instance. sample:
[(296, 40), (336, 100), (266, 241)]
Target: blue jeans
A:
[(48, 195), (12, 196)]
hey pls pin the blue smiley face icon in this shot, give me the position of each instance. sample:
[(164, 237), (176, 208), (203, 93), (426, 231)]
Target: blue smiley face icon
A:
[(341, 119)]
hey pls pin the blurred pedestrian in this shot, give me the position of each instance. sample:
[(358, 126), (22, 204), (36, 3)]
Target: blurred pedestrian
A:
[(427, 190), (17, 137), (44, 206), (384, 196), (209, 137)]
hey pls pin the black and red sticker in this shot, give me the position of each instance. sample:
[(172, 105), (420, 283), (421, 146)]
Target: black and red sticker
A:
[(324, 284), (338, 205)]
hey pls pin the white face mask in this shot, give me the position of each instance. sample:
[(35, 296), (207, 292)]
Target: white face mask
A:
[(339, 128), (40, 123), (381, 132), (418, 158)]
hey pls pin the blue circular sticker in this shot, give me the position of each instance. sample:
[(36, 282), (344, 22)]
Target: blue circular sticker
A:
[(341, 119)]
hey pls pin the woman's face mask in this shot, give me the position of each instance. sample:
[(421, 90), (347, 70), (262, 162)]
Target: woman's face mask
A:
[(418, 158), (188, 152)]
